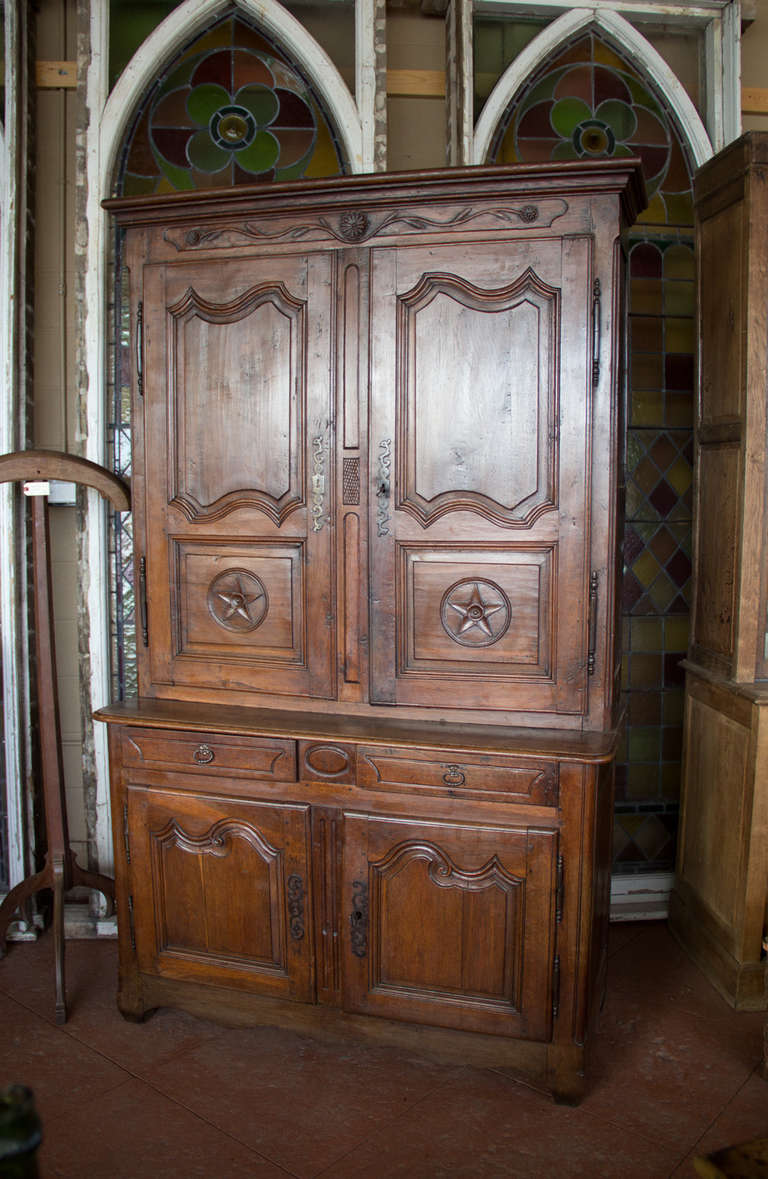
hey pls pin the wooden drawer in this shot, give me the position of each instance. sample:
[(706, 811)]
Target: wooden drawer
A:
[(266, 758), (456, 774)]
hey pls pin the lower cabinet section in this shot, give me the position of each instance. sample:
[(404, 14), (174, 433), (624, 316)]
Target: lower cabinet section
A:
[(443, 908)]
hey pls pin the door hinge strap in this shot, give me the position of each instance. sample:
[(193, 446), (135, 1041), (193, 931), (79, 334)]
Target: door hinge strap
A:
[(593, 584), (131, 925), (126, 837), (140, 349), (595, 332), (556, 987), (143, 600), (559, 889)]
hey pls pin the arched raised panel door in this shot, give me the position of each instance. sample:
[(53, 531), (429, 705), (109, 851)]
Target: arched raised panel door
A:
[(220, 892), (238, 443), (480, 480), (450, 924)]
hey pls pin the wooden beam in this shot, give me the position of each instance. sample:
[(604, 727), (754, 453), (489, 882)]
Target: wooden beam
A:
[(416, 83), (754, 100), (54, 75)]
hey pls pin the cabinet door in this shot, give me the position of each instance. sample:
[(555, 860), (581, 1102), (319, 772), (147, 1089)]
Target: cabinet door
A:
[(480, 431), (450, 924), (237, 445), (219, 891)]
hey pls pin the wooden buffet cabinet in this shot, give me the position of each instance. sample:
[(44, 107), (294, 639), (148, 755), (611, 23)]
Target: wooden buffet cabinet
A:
[(377, 428)]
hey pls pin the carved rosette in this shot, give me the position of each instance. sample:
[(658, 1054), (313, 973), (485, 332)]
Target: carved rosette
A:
[(237, 600), (475, 613)]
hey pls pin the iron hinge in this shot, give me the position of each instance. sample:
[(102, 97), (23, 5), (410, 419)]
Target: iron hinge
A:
[(595, 332), (592, 644), (140, 349), (126, 836), (559, 879), (143, 600), (556, 987), (131, 926)]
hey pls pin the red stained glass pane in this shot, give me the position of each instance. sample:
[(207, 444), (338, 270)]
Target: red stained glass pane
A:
[(217, 68), (649, 129), (171, 111), (172, 144), (294, 145), (246, 69), (535, 123), (293, 112), (609, 85), (576, 83), (645, 261), (654, 159)]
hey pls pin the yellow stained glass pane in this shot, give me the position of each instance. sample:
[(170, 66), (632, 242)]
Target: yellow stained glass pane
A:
[(647, 634), (647, 371), (647, 333), (647, 408), (679, 298), (680, 476), (679, 262), (680, 335), (645, 296), (676, 635)]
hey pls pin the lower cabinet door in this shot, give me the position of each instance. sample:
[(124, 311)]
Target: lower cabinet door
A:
[(219, 891), (450, 924)]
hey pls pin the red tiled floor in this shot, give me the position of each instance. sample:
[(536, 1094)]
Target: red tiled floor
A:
[(674, 1075)]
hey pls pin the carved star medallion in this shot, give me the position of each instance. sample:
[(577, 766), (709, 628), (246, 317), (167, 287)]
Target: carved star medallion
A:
[(475, 613), (237, 600)]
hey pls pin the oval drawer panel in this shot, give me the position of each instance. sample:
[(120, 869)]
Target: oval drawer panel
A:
[(270, 758), (454, 773)]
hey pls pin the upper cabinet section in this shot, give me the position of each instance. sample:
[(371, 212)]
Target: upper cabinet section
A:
[(376, 441)]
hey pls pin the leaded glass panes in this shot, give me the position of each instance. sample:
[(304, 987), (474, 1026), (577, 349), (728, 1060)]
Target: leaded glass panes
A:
[(230, 109), (588, 102)]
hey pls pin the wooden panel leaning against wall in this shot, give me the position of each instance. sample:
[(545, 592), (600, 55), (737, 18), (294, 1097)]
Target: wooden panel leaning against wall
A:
[(719, 906), (377, 427)]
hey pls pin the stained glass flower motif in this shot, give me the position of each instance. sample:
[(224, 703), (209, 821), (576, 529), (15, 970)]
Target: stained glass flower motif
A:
[(587, 103), (229, 111)]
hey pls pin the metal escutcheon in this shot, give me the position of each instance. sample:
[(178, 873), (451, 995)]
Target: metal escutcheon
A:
[(454, 776)]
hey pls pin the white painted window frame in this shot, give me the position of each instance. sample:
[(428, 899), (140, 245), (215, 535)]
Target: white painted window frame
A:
[(718, 20), (15, 684), (359, 122)]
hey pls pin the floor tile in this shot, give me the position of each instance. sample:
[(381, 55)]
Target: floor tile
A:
[(63, 1074), (664, 1072), (485, 1127), (92, 1014), (134, 1132), (298, 1102)]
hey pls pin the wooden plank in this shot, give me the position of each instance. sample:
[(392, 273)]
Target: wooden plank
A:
[(52, 75), (754, 100), (416, 83)]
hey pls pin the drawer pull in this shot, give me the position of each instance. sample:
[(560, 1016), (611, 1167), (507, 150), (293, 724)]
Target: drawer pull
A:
[(203, 755), (455, 776)]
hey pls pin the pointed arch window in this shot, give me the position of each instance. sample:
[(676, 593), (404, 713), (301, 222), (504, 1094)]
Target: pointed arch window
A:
[(229, 109)]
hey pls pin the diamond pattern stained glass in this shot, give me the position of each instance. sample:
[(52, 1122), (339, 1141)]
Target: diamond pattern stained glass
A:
[(588, 101)]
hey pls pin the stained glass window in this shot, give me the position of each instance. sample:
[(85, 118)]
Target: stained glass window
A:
[(586, 102), (589, 103), (230, 109)]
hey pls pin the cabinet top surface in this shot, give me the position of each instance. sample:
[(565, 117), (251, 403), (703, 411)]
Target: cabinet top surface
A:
[(622, 177), (217, 718)]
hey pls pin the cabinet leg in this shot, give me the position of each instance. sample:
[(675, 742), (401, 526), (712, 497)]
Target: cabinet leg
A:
[(566, 1073)]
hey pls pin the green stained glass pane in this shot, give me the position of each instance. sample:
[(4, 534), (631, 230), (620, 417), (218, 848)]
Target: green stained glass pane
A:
[(641, 95), (620, 118), (261, 155), (564, 151), (262, 102), (178, 77), (205, 155), (567, 114), (204, 101), (176, 177), (680, 208)]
